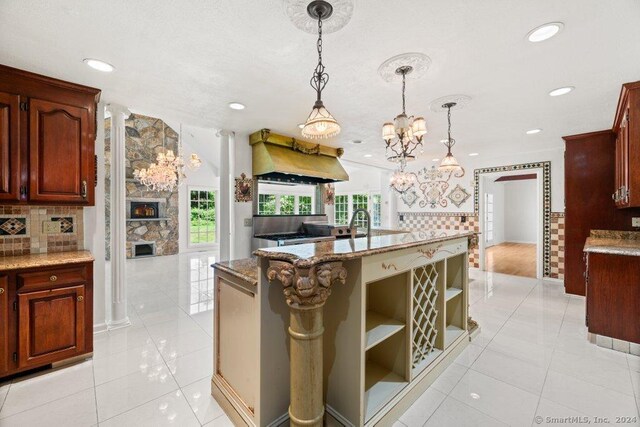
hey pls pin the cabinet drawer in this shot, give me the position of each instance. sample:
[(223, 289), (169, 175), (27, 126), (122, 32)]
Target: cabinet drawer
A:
[(51, 278)]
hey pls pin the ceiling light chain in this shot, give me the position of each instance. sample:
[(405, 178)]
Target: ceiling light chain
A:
[(320, 78), (449, 163)]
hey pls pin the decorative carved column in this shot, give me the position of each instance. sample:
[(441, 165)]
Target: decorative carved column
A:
[(306, 289), (118, 316)]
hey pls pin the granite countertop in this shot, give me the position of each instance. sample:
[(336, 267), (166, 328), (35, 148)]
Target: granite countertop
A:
[(244, 269), (309, 254), (44, 260), (613, 242)]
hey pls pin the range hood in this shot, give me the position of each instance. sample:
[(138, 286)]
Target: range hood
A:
[(281, 158)]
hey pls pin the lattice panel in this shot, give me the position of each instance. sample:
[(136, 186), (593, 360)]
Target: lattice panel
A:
[(424, 312)]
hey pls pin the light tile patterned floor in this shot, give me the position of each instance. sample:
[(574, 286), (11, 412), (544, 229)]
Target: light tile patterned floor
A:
[(531, 360)]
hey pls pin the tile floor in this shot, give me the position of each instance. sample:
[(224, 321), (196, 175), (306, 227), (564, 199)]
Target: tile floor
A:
[(531, 360)]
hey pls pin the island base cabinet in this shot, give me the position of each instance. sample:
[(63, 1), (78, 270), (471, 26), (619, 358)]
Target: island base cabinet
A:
[(51, 325)]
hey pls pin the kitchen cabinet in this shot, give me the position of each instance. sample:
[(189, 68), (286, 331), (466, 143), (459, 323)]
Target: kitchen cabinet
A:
[(46, 316), (613, 293), (47, 140), (627, 148)]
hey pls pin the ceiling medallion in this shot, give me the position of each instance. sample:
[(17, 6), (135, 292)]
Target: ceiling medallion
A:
[(297, 11), (459, 101), (404, 135), (419, 62)]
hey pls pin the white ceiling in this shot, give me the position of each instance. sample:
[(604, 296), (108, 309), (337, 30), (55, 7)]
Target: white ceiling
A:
[(188, 58)]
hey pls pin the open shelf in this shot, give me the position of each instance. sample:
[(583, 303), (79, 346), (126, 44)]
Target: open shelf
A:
[(381, 385), (452, 292), (379, 328), (451, 334), (425, 362)]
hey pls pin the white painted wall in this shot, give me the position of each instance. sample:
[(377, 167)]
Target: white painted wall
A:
[(497, 189), (555, 156), (521, 212), (241, 234)]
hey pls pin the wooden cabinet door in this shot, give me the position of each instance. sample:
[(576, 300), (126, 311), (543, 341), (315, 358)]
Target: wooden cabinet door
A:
[(9, 147), (624, 160), (51, 325), (61, 153), (4, 324)]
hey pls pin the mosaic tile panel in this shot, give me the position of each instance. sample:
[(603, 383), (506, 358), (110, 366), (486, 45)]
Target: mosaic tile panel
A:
[(13, 226), (71, 236), (557, 245), (415, 221), (546, 208)]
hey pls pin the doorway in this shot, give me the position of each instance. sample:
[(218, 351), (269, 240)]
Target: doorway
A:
[(511, 223)]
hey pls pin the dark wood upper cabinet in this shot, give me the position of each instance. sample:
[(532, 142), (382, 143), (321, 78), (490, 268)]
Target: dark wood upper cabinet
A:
[(51, 325), (626, 126), (4, 324), (9, 147), (59, 148), (47, 140)]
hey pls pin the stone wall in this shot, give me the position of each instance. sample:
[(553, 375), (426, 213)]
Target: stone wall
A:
[(144, 140)]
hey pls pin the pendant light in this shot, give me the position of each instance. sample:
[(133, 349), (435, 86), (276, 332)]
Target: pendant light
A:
[(449, 163), (405, 134), (401, 180), (320, 123)]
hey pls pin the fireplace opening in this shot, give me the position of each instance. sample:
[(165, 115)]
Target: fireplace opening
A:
[(144, 210), (144, 249)]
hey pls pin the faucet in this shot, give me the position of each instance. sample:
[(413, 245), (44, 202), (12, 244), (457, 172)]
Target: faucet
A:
[(352, 226)]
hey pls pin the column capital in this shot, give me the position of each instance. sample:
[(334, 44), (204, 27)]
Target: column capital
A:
[(224, 132), (306, 288), (115, 109)]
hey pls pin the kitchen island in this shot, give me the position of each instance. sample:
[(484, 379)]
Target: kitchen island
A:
[(346, 332)]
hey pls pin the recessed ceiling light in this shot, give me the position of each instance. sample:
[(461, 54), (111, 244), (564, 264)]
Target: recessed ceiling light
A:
[(435, 160), (368, 155), (475, 396), (96, 64), (533, 131), (474, 154), (301, 125), (544, 32), (236, 106), (561, 91)]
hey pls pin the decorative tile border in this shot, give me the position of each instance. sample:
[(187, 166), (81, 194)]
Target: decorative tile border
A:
[(557, 245), (14, 226), (546, 208)]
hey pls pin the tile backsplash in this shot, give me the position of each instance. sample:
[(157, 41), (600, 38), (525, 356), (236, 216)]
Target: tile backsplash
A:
[(22, 229)]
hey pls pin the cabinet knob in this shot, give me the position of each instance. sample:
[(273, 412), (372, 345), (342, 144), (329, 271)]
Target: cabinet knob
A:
[(80, 298), (53, 278), (1, 291)]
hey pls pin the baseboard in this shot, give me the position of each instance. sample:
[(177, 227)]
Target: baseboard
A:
[(553, 279), (518, 241), (99, 328)]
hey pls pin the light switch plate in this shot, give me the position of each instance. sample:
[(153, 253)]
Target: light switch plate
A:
[(51, 227), (635, 221), (248, 222)]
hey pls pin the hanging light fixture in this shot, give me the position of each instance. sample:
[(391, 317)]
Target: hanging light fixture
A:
[(401, 180), (405, 134), (449, 163), (168, 170), (320, 123)]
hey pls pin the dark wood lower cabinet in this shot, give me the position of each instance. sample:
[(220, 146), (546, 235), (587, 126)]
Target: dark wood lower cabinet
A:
[(46, 316), (613, 296), (50, 325)]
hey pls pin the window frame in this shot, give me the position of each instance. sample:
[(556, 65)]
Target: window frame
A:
[(296, 203), (216, 198), (350, 203)]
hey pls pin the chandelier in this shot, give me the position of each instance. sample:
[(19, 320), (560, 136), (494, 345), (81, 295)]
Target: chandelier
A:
[(320, 123), (168, 170), (401, 180), (405, 134), (449, 163)]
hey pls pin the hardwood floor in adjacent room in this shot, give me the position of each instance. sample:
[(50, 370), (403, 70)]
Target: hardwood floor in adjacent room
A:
[(518, 259)]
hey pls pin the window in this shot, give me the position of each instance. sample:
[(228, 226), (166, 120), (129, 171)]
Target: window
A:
[(360, 201), (202, 208), (376, 210), (287, 205), (305, 205), (267, 204), (341, 209)]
